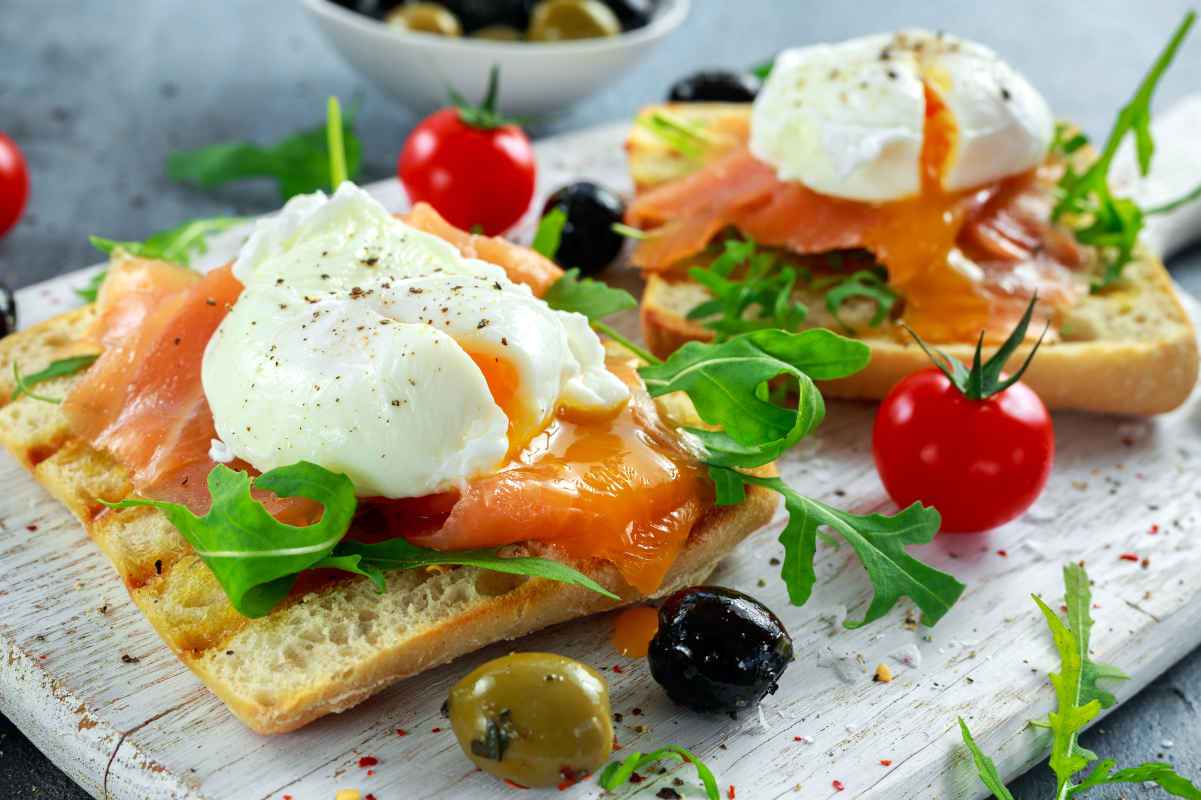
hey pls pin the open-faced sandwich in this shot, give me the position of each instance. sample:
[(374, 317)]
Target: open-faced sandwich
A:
[(372, 444), (909, 180)]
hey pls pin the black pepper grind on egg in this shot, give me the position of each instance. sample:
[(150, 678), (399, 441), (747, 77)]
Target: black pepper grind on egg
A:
[(718, 650)]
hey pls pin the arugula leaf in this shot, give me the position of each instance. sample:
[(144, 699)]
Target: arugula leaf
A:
[(762, 285), (1157, 772), (617, 773), (550, 233), (91, 291), (984, 765), (1172, 205), (300, 163), (595, 300), (1113, 223), (57, 369), (763, 69), (400, 554), (255, 557), (334, 143), (880, 543), (726, 384), (175, 245), (686, 138), (1071, 717), (1079, 701), (592, 298), (862, 283), (1079, 599)]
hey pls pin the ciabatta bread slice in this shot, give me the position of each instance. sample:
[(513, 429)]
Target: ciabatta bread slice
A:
[(328, 649), (1130, 349)]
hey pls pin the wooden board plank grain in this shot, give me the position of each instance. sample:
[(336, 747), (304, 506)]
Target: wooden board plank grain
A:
[(144, 728)]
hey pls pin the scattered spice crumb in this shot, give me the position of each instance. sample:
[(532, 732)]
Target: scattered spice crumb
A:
[(636, 778), (617, 668), (401, 732), (637, 712), (886, 762), (730, 793), (838, 785), (1003, 553), (31, 528), (883, 673), (667, 793), (368, 761), (439, 730), (126, 658), (1129, 556)]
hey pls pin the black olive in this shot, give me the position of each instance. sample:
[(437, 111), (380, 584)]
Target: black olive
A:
[(377, 9), (632, 13), (8, 311), (715, 86), (718, 650), (476, 14), (589, 241)]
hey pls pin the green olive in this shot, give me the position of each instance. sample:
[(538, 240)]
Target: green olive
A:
[(426, 18), (558, 20), (533, 718), (499, 33)]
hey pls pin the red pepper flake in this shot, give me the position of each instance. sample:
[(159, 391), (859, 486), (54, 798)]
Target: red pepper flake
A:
[(637, 712), (636, 778), (1003, 553), (838, 786), (369, 797), (570, 777), (287, 797), (515, 784), (439, 730), (31, 528), (886, 762), (368, 761), (401, 732), (370, 773), (730, 793), (1129, 556), (618, 669), (1146, 563), (1154, 529)]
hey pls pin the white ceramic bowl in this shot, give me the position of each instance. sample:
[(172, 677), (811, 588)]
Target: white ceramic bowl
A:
[(537, 79)]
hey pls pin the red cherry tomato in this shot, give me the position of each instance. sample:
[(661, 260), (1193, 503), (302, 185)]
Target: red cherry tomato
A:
[(979, 462), (14, 183), (475, 177)]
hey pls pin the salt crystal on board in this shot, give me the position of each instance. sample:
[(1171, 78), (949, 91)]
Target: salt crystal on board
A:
[(1040, 513), (219, 451), (848, 668)]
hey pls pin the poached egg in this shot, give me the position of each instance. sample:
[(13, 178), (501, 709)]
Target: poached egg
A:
[(377, 350), (848, 119)]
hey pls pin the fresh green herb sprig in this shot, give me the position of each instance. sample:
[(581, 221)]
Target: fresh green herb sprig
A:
[(1104, 220), (58, 369), (728, 384), (616, 774), (300, 163), (866, 283), (1079, 700), (175, 245), (550, 233), (686, 138), (257, 559), (745, 279)]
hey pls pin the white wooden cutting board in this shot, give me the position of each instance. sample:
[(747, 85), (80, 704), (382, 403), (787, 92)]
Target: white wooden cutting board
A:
[(142, 728)]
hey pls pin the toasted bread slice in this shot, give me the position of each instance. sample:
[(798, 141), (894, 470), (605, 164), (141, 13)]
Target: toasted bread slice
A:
[(328, 649), (1130, 349)]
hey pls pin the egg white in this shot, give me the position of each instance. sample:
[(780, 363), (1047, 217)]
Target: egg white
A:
[(847, 119), (349, 348)]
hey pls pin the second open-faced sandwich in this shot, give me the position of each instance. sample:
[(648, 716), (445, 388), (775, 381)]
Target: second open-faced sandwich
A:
[(910, 180)]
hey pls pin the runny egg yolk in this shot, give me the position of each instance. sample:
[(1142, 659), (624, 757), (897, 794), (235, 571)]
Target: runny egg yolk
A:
[(914, 238), (619, 488)]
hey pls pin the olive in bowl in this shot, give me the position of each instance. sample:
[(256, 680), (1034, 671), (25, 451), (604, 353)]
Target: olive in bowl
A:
[(588, 241), (8, 311), (718, 650), (715, 86), (533, 718)]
